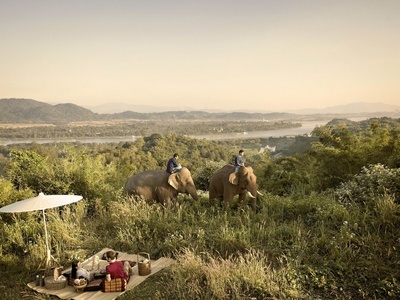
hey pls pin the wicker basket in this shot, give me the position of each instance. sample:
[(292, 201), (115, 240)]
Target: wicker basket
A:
[(49, 271), (144, 266), (80, 288), (50, 284)]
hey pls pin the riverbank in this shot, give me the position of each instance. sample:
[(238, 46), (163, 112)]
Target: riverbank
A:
[(305, 129)]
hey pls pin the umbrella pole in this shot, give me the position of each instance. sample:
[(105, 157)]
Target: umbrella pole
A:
[(48, 256)]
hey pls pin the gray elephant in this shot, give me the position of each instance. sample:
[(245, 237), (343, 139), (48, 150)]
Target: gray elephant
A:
[(227, 183), (161, 186)]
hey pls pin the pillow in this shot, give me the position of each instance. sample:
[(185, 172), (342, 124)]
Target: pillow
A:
[(94, 285), (81, 272), (99, 275), (115, 285)]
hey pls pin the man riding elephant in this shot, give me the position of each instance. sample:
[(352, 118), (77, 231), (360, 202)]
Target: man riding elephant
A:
[(172, 165), (161, 186), (226, 183)]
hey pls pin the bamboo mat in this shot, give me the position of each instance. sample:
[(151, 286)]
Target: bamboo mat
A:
[(69, 292)]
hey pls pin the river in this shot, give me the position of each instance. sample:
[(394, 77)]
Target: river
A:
[(306, 128)]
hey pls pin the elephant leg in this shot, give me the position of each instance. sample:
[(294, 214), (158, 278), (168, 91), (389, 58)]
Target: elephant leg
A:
[(212, 194), (164, 196), (160, 195), (228, 197)]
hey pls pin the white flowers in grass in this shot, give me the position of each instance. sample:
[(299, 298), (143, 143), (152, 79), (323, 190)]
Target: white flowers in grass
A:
[(372, 182)]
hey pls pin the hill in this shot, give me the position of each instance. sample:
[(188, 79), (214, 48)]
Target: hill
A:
[(28, 111), (353, 108), (113, 108), (31, 111)]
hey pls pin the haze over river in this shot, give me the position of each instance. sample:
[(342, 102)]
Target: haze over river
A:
[(306, 128)]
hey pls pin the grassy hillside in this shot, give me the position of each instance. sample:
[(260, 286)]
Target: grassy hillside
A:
[(324, 227)]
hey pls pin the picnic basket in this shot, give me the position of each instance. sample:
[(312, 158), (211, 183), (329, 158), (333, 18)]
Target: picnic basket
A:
[(51, 284), (144, 266)]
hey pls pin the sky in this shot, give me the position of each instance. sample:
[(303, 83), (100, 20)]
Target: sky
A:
[(265, 55)]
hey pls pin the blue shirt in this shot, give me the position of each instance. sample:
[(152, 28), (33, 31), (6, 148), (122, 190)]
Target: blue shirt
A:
[(172, 164), (239, 160)]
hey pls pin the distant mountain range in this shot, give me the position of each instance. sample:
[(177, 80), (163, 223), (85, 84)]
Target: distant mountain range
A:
[(19, 111), (13, 110), (352, 108), (112, 108)]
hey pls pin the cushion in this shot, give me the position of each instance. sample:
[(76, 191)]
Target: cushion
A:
[(94, 285), (115, 285), (99, 275)]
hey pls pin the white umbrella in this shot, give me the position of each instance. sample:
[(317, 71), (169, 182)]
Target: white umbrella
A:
[(41, 202)]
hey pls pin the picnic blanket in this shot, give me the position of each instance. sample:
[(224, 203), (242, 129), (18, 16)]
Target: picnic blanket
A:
[(69, 292)]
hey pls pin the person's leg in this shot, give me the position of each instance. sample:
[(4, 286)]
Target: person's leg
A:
[(127, 268), (176, 169)]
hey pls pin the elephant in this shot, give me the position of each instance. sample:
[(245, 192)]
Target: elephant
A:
[(227, 183), (161, 186)]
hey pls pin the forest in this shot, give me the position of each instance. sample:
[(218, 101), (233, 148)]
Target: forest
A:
[(327, 225), (138, 128)]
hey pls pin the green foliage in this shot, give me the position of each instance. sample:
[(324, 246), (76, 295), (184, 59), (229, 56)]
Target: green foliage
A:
[(301, 243), (203, 174), (341, 152), (27, 169), (67, 171), (284, 176), (373, 182), (291, 249), (342, 149), (8, 193)]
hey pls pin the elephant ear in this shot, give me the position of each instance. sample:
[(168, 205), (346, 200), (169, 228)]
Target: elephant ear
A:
[(234, 178), (173, 181)]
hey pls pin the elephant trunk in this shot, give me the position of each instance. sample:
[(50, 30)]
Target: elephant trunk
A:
[(252, 191), (192, 192)]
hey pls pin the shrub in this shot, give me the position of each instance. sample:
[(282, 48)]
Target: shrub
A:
[(203, 174), (372, 183)]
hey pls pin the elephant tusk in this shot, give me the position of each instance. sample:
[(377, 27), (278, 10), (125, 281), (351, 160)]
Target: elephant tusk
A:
[(259, 193), (250, 195)]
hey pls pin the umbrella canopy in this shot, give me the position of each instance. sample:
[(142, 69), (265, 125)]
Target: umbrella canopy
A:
[(40, 202)]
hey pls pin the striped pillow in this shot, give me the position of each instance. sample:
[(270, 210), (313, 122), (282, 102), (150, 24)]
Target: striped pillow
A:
[(115, 285)]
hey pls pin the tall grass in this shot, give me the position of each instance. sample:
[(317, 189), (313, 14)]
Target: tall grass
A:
[(249, 276), (310, 247)]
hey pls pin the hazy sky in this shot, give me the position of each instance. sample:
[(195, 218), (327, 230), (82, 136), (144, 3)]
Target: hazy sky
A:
[(269, 55)]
